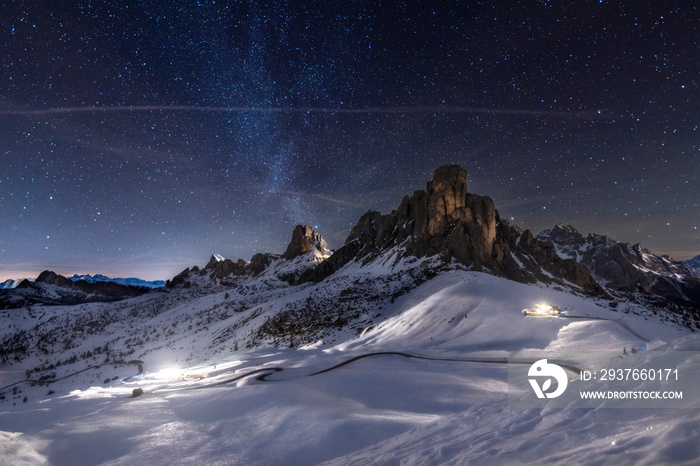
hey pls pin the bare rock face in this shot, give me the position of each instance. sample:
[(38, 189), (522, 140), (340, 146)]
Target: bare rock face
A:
[(227, 267), (443, 219), (259, 262), (219, 267), (225, 271), (179, 279), (446, 198), (304, 239), (449, 219)]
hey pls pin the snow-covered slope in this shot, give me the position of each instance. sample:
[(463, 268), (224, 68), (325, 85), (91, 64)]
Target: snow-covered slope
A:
[(222, 387)]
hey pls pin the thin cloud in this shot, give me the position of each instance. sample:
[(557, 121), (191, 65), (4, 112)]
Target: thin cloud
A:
[(304, 110)]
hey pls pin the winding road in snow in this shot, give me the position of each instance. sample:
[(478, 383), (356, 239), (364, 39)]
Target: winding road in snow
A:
[(261, 374)]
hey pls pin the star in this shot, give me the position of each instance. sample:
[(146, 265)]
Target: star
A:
[(157, 134)]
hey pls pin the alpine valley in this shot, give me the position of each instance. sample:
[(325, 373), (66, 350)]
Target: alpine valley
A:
[(392, 349)]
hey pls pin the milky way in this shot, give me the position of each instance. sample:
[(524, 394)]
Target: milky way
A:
[(139, 138)]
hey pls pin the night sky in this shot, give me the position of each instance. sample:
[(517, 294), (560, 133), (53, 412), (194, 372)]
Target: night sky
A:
[(138, 138)]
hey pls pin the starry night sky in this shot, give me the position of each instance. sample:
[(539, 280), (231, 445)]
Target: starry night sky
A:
[(138, 138)]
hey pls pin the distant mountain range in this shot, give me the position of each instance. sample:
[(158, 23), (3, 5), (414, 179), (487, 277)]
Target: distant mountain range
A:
[(122, 281), (8, 284)]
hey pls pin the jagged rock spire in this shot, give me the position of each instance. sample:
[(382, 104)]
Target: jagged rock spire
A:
[(444, 218), (304, 239), (448, 221)]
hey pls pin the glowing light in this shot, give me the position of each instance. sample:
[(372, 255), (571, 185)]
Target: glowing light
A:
[(542, 309), (169, 373)]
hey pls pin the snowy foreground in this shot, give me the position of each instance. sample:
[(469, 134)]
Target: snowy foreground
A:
[(280, 406)]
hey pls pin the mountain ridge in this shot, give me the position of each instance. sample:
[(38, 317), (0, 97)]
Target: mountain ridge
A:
[(625, 267), (446, 221), (122, 281)]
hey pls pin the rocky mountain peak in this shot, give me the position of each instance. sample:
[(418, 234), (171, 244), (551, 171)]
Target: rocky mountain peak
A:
[(562, 228), (449, 181), (564, 236), (446, 196), (446, 220), (52, 278), (214, 261), (462, 223), (305, 239)]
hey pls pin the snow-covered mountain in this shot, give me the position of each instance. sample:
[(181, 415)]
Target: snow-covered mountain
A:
[(396, 348), (695, 264), (9, 284), (122, 281), (624, 267)]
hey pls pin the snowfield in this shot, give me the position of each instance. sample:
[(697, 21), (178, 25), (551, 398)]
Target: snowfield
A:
[(424, 380)]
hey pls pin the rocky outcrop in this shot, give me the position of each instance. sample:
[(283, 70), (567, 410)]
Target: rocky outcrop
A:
[(304, 240), (52, 278), (214, 261), (221, 268), (217, 268), (180, 279), (259, 262), (448, 221), (329, 266), (443, 219)]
